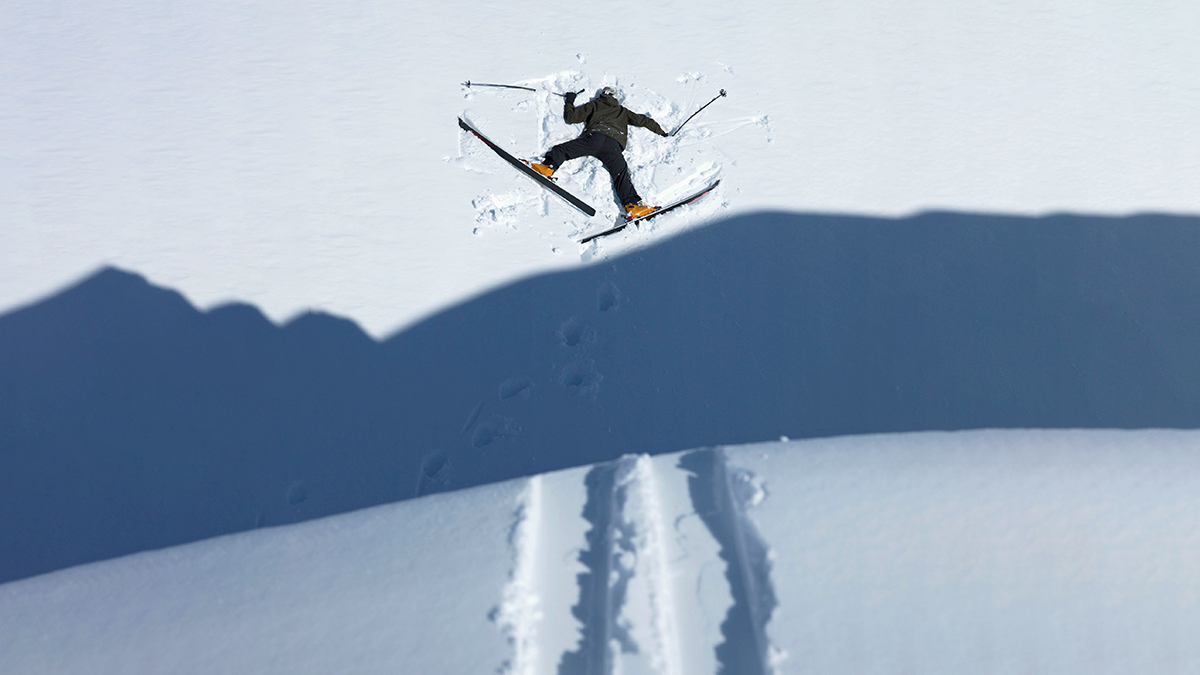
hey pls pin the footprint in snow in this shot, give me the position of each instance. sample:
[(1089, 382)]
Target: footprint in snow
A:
[(608, 296), (575, 332), (297, 493), (493, 429), (515, 386), (581, 374), (434, 473)]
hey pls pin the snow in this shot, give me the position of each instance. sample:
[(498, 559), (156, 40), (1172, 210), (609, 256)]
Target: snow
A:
[(1008, 552), (306, 157), (258, 288), (372, 591), (988, 551)]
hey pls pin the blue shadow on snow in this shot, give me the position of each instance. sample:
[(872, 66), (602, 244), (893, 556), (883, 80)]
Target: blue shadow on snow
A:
[(129, 420)]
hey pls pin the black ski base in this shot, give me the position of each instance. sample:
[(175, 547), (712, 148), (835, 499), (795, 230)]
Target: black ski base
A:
[(528, 171), (631, 221)]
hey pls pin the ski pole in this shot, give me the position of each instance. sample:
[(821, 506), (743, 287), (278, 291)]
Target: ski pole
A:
[(689, 119), (468, 84)]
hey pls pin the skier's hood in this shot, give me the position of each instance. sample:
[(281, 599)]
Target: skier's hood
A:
[(609, 93), (608, 101)]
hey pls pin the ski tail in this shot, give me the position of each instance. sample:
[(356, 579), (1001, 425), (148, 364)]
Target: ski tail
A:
[(529, 171), (676, 204), (673, 205)]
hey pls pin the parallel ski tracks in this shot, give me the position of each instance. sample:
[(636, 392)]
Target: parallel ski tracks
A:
[(626, 613)]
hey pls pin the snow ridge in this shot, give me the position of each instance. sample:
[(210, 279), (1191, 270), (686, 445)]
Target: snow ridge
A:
[(653, 598), (720, 497), (521, 612)]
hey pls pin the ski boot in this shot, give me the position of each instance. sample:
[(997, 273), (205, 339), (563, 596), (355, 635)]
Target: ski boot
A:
[(547, 171), (635, 211)]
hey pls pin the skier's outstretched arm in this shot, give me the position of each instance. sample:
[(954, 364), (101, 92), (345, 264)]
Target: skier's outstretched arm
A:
[(573, 115), (645, 122)]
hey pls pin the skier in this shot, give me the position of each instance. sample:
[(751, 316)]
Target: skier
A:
[(604, 138)]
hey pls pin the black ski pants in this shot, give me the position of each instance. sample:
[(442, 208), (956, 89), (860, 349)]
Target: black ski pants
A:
[(608, 151)]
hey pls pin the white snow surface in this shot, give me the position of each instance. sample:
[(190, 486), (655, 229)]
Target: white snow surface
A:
[(306, 156), (984, 552)]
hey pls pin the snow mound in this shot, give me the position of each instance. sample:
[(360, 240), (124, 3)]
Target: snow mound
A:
[(985, 551)]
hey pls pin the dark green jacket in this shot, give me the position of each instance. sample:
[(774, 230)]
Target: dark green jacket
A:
[(606, 115)]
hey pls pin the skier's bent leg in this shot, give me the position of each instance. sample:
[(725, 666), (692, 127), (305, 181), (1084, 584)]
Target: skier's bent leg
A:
[(621, 180), (572, 149)]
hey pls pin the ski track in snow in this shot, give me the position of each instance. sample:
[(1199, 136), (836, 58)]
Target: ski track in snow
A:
[(627, 614), (663, 169), (721, 496), (610, 560)]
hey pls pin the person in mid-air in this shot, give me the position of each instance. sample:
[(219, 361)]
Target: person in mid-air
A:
[(604, 138)]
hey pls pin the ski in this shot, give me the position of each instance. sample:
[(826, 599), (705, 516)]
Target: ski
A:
[(648, 216), (528, 171)]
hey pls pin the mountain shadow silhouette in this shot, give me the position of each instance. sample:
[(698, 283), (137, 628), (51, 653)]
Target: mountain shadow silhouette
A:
[(129, 420)]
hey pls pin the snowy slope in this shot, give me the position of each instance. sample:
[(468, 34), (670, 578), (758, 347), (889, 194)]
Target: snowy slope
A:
[(299, 157), (987, 552)]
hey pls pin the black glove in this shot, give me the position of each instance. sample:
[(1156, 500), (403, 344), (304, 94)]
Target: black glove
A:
[(570, 96)]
